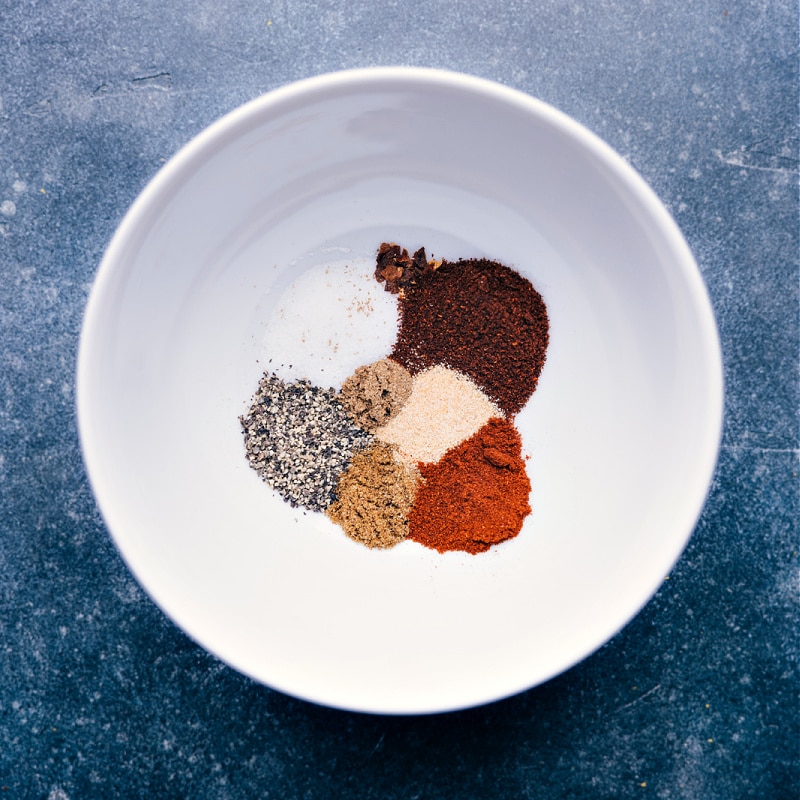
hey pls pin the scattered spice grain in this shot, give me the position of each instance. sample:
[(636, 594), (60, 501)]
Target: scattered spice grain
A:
[(476, 495), (374, 497), (299, 439), (374, 393)]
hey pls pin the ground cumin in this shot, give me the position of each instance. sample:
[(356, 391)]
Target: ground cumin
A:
[(476, 495), (374, 497), (478, 317)]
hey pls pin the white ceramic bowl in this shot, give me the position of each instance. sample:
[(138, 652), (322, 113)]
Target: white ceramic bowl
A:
[(219, 266)]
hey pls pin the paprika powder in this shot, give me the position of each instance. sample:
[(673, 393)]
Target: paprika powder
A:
[(476, 495)]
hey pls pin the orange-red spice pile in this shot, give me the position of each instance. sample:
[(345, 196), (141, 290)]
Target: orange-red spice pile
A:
[(476, 495)]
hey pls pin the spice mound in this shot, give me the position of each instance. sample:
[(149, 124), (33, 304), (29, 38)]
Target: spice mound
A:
[(375, 496), (476, 495), (299, 439), (420, 445), (480, 318), (374, 393), (444, 408)]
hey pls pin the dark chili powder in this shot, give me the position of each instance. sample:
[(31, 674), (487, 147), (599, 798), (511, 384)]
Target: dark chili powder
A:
[(475, 316), (476, 495)]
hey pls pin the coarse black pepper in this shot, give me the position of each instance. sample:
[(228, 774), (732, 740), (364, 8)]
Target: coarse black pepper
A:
[(299, 439)]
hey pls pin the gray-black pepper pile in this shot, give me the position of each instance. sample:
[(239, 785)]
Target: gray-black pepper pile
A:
[(299, 439)]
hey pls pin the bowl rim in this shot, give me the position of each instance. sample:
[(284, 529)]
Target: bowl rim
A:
[(168, 180)]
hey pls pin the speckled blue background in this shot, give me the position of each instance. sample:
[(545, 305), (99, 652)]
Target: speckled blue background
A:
[(102, 697)]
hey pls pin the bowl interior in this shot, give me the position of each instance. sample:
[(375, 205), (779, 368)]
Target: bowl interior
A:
[(255, 244)]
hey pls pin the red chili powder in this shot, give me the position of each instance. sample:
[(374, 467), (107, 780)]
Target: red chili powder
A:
[(480, 318), (476, 495)]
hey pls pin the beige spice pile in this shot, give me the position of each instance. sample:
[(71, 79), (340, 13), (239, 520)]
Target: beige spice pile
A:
[(444, 408), (374, 497)]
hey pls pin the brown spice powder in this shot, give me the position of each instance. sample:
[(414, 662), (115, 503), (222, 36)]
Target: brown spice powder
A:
[(374, 393), (480, 318), (374, 497)]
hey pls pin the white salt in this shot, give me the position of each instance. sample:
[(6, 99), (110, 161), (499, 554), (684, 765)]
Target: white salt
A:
[(332, 319)]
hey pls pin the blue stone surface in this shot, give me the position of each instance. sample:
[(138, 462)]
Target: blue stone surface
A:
[(102, 697)]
